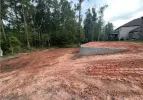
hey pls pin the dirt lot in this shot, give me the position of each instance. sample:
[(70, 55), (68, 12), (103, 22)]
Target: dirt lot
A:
[(59, 74)]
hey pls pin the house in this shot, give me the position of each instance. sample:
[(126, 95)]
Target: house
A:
[(132, 30)]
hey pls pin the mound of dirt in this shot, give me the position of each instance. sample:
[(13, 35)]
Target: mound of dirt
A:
[(58, 74)]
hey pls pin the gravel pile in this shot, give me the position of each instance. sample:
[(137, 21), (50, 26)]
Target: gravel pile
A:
[(96, 50)]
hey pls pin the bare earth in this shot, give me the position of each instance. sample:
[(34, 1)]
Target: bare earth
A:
[(58, 74)]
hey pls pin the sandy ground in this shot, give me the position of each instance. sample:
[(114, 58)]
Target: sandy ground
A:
[(59, 74)]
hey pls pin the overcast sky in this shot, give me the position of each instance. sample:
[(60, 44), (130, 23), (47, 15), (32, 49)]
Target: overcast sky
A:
[(119, 11)]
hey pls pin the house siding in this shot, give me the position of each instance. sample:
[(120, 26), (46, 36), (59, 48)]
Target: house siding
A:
[(134, 35), (124, 32)]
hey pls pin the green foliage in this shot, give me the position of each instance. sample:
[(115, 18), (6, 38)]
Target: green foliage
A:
[(94, 27), (14, 45), (13, 41), (108, 30), (48, 23)]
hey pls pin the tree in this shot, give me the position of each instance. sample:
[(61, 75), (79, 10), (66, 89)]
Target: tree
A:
[(25, 26), (94, 18), (3, 11), (93, 26), (108, 30), (100, 20), (141, 29), (14, 44), (42, 24), (79, 17), (88, 25), (79, 7)]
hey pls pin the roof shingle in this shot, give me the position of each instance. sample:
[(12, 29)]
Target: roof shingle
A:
[(135, 22)]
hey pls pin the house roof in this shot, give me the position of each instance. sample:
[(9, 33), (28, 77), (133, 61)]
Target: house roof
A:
[(138, 29), (135, 22), (135, 30)]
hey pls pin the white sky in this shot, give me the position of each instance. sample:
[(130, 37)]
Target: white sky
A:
[(119, 12)]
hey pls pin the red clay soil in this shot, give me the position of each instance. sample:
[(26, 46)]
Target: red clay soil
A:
[(59, 74)]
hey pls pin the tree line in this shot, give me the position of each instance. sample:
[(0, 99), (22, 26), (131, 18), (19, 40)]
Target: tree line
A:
[(25, 24)]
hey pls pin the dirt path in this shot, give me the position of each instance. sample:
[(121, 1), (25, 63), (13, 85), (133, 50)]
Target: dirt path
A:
[(58, 74)]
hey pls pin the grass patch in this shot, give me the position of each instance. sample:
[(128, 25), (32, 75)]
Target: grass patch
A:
[(23, 50), (29, 50), (68, 46), (136, 41)]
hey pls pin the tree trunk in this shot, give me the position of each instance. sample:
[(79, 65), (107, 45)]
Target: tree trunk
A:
[(100, 28), (16, 14), (49, 42), (79, 21), (12, 51), (39, 36), (93, 32), (141, 30), (25, 27), (99, 33), (3, 29), (1, 25)]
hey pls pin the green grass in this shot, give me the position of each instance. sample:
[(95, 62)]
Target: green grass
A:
[(68, 46), (29, 50), (23, 50), (136, 41)]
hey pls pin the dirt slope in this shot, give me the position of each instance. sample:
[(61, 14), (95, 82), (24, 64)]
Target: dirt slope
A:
[(58, 74)]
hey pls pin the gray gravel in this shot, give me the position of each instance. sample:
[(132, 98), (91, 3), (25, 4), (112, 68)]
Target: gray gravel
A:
[(92, 50)]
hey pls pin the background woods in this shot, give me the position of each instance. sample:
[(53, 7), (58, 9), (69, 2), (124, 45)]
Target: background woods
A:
[(25, 24)]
